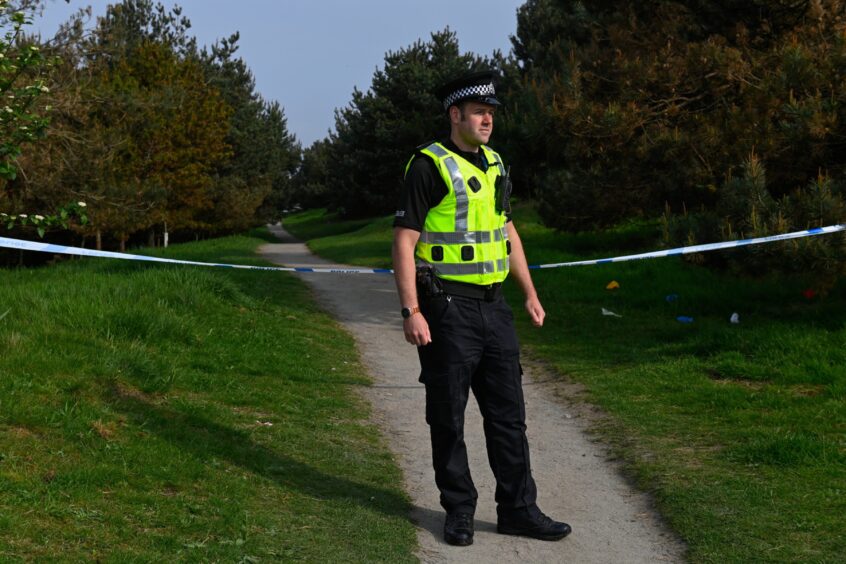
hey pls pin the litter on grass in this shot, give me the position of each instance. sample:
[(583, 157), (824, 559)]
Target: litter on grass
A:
[(610, 313)]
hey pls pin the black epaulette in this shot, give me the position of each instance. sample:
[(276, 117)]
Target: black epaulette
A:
[(418, 151)]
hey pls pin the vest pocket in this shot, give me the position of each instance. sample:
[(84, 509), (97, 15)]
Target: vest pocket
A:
[(467, 253), (437, 253)]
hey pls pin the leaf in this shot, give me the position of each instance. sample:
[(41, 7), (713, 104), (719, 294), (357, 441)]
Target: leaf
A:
[(8, 171)]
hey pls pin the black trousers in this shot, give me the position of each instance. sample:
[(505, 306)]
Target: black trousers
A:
[(474, 346)]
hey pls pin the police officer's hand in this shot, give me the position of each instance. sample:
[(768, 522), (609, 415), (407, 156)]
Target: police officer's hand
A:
[(416, 330), (535, 310)]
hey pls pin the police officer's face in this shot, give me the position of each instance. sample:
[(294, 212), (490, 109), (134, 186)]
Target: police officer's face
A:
[(475, 123)]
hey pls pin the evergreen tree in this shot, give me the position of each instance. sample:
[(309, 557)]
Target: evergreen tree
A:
[(311, 183), (253, 185), (378, 131), (624, 109)]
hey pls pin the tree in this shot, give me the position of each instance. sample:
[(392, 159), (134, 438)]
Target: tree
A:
[(24, 73), (652, 105), (379, 130), (22, 83), (137, 132), (311, 183), (253, 185), (156, 135)]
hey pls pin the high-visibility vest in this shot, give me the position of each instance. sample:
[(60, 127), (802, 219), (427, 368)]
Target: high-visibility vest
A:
[(464, 237)]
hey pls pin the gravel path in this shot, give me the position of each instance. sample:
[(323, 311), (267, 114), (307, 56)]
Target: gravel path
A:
[(577, 482)]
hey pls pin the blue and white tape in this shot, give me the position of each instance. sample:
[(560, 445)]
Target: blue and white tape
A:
[(77, 251), (702, 248)]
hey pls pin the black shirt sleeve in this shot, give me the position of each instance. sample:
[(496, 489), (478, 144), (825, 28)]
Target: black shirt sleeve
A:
[(422, 189)]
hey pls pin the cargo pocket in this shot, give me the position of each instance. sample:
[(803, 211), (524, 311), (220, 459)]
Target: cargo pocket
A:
[(446, 395)]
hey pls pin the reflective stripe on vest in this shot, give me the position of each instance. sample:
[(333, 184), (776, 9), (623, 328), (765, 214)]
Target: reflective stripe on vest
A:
[(462, 203), (498, 162), (462, 269), (463, 237)]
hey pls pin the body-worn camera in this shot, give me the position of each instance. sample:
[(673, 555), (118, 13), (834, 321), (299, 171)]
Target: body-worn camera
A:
[(503, 192)]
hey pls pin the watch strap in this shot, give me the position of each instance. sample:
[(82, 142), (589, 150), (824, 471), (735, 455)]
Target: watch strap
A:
[(409, 311)]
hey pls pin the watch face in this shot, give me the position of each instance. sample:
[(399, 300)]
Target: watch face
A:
[(406, 313)]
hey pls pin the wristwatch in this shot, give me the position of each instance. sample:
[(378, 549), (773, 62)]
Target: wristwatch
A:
[(407, 312)]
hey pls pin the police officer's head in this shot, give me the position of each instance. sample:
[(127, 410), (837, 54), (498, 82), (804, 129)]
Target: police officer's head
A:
[(470, 101)]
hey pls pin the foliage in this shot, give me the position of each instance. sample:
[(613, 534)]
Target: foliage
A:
[(622, 108), (311, 184), (156, 135), (41, 223), (23, 67), (378, 131), (172, 127), (255, 183), (746, 208)]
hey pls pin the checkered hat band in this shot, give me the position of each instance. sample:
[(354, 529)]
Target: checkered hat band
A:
[(467, 91)]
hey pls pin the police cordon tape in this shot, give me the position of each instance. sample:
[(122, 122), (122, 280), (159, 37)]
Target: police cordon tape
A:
[(20, 244), (703, 248), (77, 251)]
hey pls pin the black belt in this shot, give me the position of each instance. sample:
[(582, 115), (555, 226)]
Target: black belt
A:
[(488, 293)]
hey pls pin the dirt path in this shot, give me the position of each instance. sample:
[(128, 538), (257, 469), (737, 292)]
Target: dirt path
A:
[(577, 483)]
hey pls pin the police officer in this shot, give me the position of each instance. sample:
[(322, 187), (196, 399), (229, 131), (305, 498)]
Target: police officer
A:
[(454, 244)]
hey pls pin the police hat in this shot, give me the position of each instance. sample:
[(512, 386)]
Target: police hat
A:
[(479, 87)]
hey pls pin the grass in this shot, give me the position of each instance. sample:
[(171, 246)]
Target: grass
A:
[(165, 413), (738, 430), (360, 242)]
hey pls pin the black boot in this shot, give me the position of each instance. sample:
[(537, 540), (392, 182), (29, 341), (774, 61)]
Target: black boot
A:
[(539, 527), (458, 529)]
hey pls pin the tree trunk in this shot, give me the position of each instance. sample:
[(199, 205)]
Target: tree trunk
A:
[(99, 240), (165, 236), (123, 242), (151, 238)]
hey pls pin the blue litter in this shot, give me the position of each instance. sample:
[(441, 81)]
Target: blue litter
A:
[(684, 319), (671, 298)]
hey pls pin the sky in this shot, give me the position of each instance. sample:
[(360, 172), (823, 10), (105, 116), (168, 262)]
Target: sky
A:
[(309, 54)]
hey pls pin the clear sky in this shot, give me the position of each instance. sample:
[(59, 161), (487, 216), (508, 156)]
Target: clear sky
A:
[(309, 54)]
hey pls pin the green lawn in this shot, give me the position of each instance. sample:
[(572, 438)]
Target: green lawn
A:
[(738, 430), (158, 413)]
